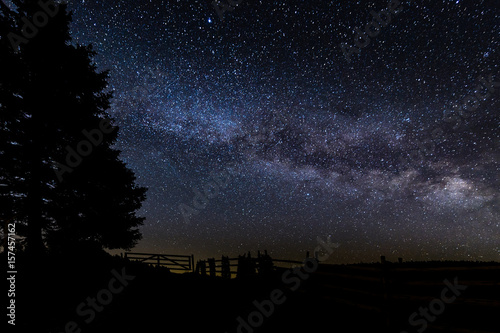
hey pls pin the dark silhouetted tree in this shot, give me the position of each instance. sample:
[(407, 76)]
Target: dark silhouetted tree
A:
[(51, 93), (11, 77)]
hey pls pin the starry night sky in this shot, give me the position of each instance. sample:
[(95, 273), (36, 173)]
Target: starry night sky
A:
[(309, 145)]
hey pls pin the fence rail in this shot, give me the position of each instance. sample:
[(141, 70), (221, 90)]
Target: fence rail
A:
[(394, 291)]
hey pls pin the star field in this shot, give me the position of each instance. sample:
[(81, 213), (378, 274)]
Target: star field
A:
[(370, 152)]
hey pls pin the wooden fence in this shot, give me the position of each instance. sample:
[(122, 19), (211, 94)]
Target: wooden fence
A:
[(173, 262), (393, 291), (386, 291), (241, 266)]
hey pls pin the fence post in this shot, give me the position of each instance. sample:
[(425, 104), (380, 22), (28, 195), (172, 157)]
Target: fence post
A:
[(241, 272), (225, 269), (191, 263), (203, 268), (265, 265), (211, 265), (386, 290), (251, 263)]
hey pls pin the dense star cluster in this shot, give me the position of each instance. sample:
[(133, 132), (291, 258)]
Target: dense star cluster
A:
[(393, 151)]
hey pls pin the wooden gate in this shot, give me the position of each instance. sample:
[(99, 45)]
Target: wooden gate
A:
[(174, 262)]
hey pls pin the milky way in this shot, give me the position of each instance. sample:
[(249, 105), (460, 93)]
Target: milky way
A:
[(263, 110)]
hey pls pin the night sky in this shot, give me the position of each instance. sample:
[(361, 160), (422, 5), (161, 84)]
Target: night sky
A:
[(303, 143)]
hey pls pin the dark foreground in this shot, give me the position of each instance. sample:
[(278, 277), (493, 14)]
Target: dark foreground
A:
[(114, 295)]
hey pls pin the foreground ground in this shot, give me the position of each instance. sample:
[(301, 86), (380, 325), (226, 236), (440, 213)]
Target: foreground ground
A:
[(114, 295)]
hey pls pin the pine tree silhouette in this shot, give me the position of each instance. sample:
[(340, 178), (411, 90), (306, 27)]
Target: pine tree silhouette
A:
[(65, 183)]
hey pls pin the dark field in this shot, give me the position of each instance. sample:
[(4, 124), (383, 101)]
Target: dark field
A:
[(337, 298)]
